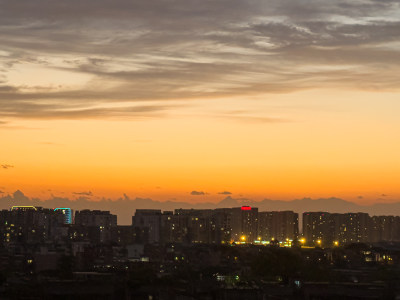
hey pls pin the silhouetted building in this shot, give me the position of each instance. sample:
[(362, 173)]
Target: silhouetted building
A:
[(385, 228), (95, 218), (279, 225), (223, 224), (318, 228), (351, 227), (95, 223), (29, 224), (68, 214), (174, 228), (149, 221), (244, 224)]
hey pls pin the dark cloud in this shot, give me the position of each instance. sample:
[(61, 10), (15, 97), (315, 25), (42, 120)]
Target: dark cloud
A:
[(136, 53), (225, 193), (197, 193), (5, 166), (89, 193), (19, 196)]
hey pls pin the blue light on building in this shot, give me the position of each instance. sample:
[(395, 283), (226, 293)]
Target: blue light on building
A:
[(67, 212)]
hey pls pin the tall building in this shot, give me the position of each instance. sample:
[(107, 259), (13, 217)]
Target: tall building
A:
[(94, 225), (385, 228), (200, 224), (329, 229), (67, 212), (223, 223), (174, 228), (318, 228), (278, 225), (29, 224), (244, 224), (351, 227), (148, 221), (98, 218)]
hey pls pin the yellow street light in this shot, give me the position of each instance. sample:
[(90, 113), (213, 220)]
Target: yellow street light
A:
[(336, 243)]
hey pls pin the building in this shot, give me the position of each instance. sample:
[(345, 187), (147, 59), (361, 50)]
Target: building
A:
[(67, 212), (278, 225), (94, 224), (244, 224), (326, 229), (95, 218), (29, 224), (318, 228), (351, 228), (148, 222)]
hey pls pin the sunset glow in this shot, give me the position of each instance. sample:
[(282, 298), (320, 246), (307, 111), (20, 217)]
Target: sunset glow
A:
[(187, 102)]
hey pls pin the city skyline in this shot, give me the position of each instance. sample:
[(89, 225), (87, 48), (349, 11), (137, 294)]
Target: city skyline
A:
[(234, 225), (193, 102), (123, 207)]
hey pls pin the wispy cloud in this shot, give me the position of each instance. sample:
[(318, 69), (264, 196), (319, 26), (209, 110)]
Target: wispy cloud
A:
[(89, 193), (225, 193), (184, 49), (197, 193), (5, 166)]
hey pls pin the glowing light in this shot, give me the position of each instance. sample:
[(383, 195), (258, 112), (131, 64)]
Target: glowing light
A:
[(319, 242), (336, 243), (23, 207), (243, 238), (246, 208), (303, 240)]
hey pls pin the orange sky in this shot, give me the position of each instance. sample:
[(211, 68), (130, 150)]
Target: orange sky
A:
[(258, 101), (336, 150)]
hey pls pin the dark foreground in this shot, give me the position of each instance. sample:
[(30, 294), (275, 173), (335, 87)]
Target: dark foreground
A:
[(357, 271)]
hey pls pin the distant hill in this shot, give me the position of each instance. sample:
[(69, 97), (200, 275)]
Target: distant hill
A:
[(125, 207)]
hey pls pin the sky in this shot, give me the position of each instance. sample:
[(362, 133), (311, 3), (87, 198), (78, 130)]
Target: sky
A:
[(186, 100)]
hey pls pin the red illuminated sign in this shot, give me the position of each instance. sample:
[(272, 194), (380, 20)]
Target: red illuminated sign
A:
[(246, 208)]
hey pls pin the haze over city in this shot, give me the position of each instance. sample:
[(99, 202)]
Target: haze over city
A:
[(194, 102)]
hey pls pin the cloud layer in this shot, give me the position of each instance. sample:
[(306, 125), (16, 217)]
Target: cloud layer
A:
[(133, 57), (125, 206)]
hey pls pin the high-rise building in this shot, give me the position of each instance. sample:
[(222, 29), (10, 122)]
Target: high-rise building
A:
[(278, 225), (244, 224), (200, 224), (149, 222), (98, 218), (332, 229), (223, 222), (318, 228), (174, 228), (94, 225), (67, 212), (351, 227), (385, 228), (29, 224)]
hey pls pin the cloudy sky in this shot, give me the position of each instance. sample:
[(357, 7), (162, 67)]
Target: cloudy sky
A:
[(195, 100)]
